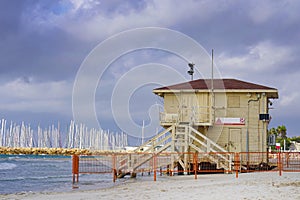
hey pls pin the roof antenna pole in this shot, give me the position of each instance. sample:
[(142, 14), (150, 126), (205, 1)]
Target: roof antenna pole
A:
[(212, 85), (212, 70)]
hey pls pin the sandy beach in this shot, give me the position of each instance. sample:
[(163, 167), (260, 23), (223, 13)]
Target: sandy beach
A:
[(265, 185)]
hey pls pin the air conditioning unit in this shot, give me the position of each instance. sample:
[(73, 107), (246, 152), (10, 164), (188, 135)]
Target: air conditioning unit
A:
[(264, 117)]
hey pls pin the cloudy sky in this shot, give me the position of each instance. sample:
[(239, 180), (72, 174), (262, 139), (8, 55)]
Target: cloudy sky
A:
[(44, 45)]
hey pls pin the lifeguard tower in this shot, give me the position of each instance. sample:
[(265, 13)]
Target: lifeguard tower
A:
[(211, 115)]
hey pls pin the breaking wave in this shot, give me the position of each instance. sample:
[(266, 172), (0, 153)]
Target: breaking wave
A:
[(7, 166)]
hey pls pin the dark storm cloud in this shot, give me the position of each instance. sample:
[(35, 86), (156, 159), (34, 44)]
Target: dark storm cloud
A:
[(10, 15), (43, 43), (36, 50), (233, 27)]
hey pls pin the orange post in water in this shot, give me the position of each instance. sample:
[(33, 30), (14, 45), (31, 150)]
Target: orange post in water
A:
[(75, 168), (114, 171)]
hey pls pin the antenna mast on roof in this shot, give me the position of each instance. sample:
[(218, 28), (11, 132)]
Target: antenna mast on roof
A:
[(212, 70), (212, 85)]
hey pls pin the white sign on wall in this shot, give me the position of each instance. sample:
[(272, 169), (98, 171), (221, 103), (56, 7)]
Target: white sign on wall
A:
[(229, 121)]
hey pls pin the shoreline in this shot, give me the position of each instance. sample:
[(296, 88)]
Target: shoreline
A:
[(263, 185)]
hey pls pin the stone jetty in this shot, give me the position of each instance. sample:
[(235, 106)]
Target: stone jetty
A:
[(48, 151)]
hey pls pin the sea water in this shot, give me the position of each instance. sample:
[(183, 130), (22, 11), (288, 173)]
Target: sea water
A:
[(44, 173)]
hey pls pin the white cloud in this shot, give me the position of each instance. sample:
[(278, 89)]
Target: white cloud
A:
[(27, 95), (289, 92), (262, 57), (83, 4), (268, 64), (289, 99)]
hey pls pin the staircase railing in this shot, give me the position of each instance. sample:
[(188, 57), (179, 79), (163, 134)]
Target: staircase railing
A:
[(166, 139), (210, 146), (155, 145), (154, 142)]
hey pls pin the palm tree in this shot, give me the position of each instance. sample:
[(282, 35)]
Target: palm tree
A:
[(272, 131), (281, 131)]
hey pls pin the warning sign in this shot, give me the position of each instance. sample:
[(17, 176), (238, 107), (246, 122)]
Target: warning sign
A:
[(229, 121), (277, 146)]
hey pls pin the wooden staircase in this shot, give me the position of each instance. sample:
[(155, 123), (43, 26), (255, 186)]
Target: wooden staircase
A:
[(177, 139)]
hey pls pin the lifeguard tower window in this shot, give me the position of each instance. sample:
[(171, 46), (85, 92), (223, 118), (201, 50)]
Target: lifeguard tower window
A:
[(233, 102), (264, 117)]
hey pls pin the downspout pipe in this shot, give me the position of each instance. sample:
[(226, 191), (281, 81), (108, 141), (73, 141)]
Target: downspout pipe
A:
[(247, 134)]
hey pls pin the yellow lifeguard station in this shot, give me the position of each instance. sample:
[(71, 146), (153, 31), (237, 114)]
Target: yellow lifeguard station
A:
[(211, 115)]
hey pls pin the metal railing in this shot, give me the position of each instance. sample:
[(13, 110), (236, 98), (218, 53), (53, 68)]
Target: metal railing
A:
[(170, 163)]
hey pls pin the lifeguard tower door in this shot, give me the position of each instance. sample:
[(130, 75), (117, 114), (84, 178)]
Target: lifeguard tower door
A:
[(234, 140)]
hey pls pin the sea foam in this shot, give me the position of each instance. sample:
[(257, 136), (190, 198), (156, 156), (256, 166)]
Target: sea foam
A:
[(7, 166)]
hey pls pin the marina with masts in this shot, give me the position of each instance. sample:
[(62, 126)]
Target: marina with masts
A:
[(78, 136)]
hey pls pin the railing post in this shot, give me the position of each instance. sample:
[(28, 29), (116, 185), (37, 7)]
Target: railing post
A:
[(236, 164), (268, 156), (154, 166), (279, 163), (195, 164), (287, 156), (75, 168)]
